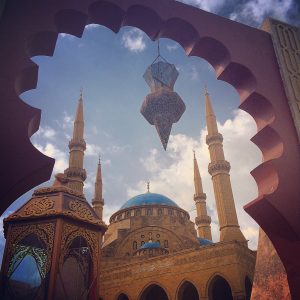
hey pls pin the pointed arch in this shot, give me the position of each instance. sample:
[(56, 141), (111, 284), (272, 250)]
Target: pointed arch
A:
[(187, 290), (122, 296), (155, 291), (218, 288)]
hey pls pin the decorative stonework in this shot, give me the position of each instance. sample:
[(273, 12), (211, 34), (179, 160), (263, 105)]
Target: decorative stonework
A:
[(81, 210), (203, 220), (39, 206), (58, 189), (200, 198), (218, 167), (213, 139), (286, 42)]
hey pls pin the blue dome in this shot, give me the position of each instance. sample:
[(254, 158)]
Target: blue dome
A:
[(204, 242), (149, 199), (150, 245)]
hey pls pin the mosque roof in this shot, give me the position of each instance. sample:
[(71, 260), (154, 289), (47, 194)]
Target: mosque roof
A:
[(204, 242), (150, 245), (149, 199)]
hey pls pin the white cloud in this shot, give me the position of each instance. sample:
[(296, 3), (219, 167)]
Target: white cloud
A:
[(208, 5), (92, 150), (47, 132), (51, 150), (68, 121), (257, 10), (134, 40), (70, 37), (91, 26), (194, 74), (172, 47), (175, 178)]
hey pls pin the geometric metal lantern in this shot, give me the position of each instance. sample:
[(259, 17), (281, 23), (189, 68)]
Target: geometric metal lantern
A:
[(162, 107)]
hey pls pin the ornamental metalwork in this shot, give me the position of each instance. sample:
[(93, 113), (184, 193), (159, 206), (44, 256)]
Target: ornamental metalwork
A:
[(43, 231), (162, 107), (70, 232)]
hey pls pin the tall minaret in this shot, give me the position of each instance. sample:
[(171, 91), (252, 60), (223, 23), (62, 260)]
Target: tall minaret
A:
[(75, 173), (202, 220), (219, 170), (98, 201)]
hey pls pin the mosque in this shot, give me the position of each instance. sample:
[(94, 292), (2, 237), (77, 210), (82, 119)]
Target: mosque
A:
[(58, 246)]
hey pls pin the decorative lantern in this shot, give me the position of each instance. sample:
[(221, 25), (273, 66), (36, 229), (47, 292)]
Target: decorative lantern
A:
[(162, 107)]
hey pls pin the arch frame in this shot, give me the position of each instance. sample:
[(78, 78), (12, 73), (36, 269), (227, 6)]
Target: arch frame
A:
[(154, 283), (251, 67), (211, 279), (182, 282), (120, 293)]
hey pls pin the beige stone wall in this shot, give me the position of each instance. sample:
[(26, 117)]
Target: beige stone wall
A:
[(233, 261)]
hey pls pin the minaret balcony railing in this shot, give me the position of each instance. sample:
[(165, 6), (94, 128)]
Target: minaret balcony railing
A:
[(77, 143), (200, 198), (222, 167), (203, 220), (214, 139), (76, 172)]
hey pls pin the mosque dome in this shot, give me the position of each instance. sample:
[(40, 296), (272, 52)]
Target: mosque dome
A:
[(204, 242), (149, 199)]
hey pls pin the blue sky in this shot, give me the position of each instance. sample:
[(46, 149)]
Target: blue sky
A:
[(110, 67)]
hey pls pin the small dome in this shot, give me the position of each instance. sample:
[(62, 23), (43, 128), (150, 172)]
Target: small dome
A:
[(149, 199), (204, 242), (150, 245)]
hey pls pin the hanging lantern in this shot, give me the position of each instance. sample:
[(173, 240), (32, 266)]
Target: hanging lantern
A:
[(162, 107)]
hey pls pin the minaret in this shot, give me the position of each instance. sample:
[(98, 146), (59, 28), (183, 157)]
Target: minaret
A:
[(98, 201), (202, 220), (219, 170), (75, 173)]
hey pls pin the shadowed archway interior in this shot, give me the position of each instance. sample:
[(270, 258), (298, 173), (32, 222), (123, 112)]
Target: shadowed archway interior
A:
[(188, 291), (154, 291), (122, 297), (219, 289)]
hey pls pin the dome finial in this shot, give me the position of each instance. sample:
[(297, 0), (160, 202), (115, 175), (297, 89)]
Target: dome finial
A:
[(148, 186)]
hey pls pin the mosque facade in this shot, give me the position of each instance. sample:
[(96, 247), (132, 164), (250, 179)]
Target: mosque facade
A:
[(58, 247)]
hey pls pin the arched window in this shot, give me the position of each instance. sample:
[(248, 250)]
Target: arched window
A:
[(75, 277), (134, 245), (166, 244), (137, 212), (142, 243), (27, 269), (160, 212), (149, 211), (170, 212), (127, 214)]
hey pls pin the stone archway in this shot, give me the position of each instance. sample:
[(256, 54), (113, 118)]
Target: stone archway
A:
[(122, 296), (242, 56), (219, 289), (152, 292), (187, 291)]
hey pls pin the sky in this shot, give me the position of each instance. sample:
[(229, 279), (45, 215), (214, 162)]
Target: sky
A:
[(109, 68)]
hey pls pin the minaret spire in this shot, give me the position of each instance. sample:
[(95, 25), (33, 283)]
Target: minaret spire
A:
[(98, 200), (75, 173), (219, 170), (202, 220)]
